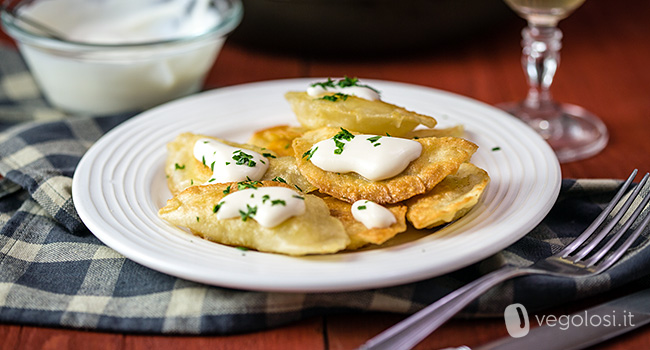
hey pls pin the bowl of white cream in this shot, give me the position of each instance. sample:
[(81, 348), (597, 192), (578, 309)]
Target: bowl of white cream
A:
[(113, 56)]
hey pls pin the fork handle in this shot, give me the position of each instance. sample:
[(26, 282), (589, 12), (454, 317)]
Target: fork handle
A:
[(411, 331)]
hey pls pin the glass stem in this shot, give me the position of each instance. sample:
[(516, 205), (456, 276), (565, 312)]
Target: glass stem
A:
[(540, 59)]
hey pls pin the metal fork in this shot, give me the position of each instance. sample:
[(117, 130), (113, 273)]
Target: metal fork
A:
[(577, 259)]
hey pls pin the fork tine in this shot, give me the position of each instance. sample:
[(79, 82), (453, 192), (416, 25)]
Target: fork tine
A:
[(608, 228), (599, 220), (623, 248), (604, 250)]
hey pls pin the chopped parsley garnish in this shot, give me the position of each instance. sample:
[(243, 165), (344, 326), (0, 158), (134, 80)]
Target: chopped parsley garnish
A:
[(243, 158), (342, 135), (212, 165), (333, 98), (217, 207), (247, 184), (347, 82), (279, 179), (361, 207), (278, 201), (265, 198), (374, 140), (179, 167), (250, 212), (309, 153), (268, 155), (328, 83), (496, 149), (339, 146), (227, 190), (343, 83)]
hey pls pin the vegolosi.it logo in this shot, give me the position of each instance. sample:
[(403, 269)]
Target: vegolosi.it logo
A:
[(518, 322)]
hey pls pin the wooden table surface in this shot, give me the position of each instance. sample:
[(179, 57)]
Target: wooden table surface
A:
[(605, 68)]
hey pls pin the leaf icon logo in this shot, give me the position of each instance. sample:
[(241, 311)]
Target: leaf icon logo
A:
[(516, 318)]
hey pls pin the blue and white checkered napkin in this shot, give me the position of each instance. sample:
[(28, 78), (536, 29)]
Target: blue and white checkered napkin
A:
[(54, 272)]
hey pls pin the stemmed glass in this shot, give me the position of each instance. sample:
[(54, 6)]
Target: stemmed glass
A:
[(573, 132)]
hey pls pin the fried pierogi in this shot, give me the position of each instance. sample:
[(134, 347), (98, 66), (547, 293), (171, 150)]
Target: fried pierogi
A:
[(355, 173), (360, 235), (452, 131), (313, 232), (439, 158), (184, 170), (452, 198), (277, 138), (355, 113)]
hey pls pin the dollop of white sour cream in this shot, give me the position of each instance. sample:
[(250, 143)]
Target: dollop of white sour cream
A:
[(230, 164), (372, 215), (358, 91), (269, 206), (347, 86), (371, 156)]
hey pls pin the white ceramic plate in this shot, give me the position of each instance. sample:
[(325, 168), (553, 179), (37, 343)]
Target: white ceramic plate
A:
[(120, 184)]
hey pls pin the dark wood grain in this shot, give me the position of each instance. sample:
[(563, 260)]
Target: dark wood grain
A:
[(604, 68)]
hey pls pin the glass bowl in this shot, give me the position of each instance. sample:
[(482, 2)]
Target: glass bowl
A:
[(102, 78)]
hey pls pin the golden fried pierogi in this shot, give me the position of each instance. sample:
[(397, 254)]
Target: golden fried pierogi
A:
[(355, 113), (277, 138), (255, 224), (438, 158), (355, 173), (360, 234), (450, 199), (184, 169)]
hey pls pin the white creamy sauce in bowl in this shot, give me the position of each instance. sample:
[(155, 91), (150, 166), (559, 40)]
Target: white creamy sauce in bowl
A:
[(122, 55)]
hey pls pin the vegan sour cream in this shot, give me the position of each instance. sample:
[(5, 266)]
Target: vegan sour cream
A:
[(371, 156)]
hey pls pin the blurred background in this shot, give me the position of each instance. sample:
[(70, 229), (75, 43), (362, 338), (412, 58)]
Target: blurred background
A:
[(339, 28)]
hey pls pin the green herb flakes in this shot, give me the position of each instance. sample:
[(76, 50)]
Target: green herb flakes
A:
[(243, 158), (335, 97), (278, 202), (309, 153), (249, 213), (279, 179)]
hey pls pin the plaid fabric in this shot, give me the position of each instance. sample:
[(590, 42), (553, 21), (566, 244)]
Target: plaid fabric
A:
[(54, 272)]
